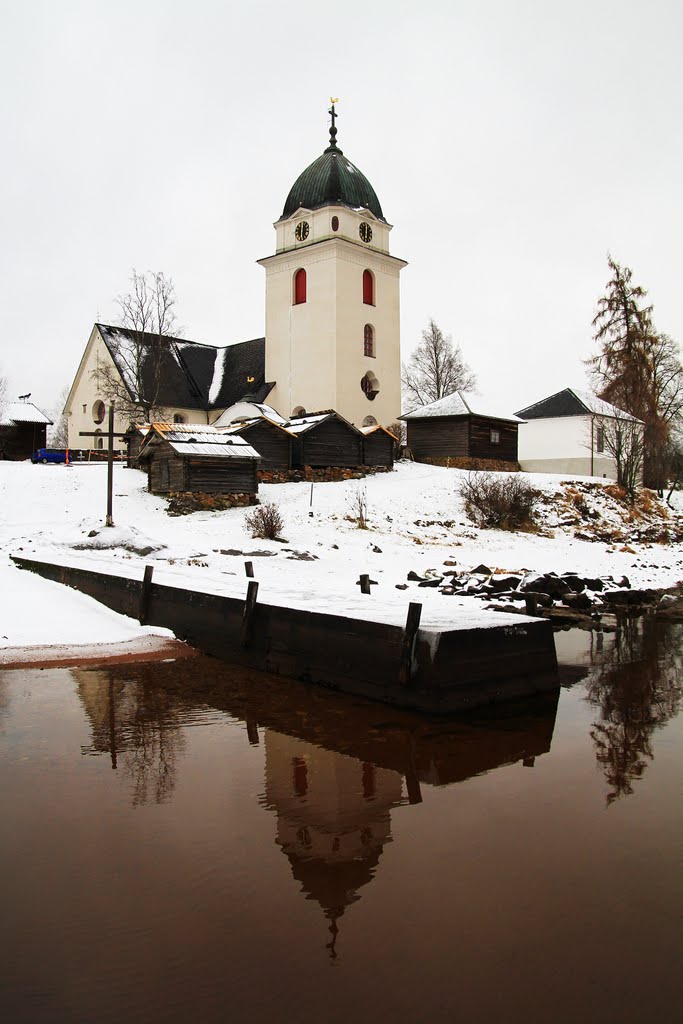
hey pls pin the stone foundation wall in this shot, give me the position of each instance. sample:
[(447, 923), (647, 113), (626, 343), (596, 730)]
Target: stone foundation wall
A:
[(183, 503), (325, 475), (478, 465)]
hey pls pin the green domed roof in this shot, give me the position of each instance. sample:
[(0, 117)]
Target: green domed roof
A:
[(332, 180)]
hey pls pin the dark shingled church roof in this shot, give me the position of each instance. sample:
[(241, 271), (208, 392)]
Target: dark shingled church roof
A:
[(194, 375), (332, 180)]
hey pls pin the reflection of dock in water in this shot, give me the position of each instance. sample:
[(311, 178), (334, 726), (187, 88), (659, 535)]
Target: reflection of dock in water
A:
[(335, 767), (121, 700)]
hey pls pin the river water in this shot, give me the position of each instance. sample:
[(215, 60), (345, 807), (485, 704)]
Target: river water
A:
[(188, 841)]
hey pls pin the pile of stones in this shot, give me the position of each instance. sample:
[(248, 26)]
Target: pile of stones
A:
[(568, 599)]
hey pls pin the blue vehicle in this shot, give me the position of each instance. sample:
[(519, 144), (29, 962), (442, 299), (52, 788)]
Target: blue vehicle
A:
[(46, 455)]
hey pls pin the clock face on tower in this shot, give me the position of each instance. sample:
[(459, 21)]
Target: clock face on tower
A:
[(301, 231), (365, 232)]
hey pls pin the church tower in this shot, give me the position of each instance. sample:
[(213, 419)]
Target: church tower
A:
[(332, 297)]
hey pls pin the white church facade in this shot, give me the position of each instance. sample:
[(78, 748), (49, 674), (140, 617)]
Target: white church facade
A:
[(332, 319)]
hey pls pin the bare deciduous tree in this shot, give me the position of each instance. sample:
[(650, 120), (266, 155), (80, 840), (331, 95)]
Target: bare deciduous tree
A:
[(435, 369), (622, 437), (147, 317), (59, 431)]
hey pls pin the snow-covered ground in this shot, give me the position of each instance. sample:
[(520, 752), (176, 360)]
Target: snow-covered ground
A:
[(416, 522)]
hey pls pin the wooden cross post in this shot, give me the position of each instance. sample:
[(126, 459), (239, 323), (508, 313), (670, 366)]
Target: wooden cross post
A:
[(109, 521)]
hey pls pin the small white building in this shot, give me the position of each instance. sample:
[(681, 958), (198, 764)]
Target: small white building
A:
[(565, 433)]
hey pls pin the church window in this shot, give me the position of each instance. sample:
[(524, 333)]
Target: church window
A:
[(178, 418), (368, 780), (298, 410), (300, 776), (369, 386), (369, 421), (99, 440), (299, 287), (600, 440), (368, 341), (98, 411), (368, 288), (85, 408), (335, 223)]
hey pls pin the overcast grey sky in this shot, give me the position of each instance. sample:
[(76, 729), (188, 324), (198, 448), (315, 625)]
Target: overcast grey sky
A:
[(511, 144)]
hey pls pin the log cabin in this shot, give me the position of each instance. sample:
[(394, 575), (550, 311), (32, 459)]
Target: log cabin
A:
[(325, 439), (461, 426), (198, 458)]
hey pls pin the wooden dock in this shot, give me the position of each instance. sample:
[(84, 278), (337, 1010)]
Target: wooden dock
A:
[(434, 670)]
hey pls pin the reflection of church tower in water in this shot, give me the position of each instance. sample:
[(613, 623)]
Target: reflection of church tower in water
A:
[(333, 819)]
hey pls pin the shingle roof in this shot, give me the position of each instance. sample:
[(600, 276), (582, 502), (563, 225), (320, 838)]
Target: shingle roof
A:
[(23, 412), (193, 375), (460, 403)]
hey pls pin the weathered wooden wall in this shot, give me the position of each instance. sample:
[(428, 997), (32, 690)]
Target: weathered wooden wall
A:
[(439, 437), (273, 445), (21, 440), (165, 471), (378, 449), (481, 446), (222, 476), (330, 443)]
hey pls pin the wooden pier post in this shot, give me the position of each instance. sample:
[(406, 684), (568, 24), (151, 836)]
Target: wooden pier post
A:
[(364, 583), (408, 644), (248, 614), (249, 569), (144, 595), (531, 604)]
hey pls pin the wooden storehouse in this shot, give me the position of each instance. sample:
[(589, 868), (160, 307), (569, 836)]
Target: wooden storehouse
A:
[(134, 438), (461, 426), (378, 446), (271, 440), (325, 439), (198, 458), (23, 429)]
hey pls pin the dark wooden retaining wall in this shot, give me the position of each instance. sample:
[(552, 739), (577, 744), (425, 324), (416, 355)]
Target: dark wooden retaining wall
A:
[(451, 670)]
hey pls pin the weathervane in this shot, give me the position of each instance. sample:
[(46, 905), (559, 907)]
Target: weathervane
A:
[(334, 115)]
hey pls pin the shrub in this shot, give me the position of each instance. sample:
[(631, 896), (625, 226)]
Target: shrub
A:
[(499, 501), (358, 508), (265, 522)]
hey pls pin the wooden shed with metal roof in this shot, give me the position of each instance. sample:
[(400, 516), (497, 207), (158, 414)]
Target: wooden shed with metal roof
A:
[(461, 426), (198, 458), (325, 439)]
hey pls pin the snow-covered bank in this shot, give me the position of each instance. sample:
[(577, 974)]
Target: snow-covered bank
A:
[(416, 524)]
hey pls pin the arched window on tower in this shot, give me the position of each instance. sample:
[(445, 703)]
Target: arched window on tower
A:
[(368, 341), (299, 286), (368, 288)]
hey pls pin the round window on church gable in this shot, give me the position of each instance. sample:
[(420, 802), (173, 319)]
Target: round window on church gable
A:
[(98, 411), (335, 223)]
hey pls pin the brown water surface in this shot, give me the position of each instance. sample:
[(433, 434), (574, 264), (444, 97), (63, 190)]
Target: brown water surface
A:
[(187, 841)]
